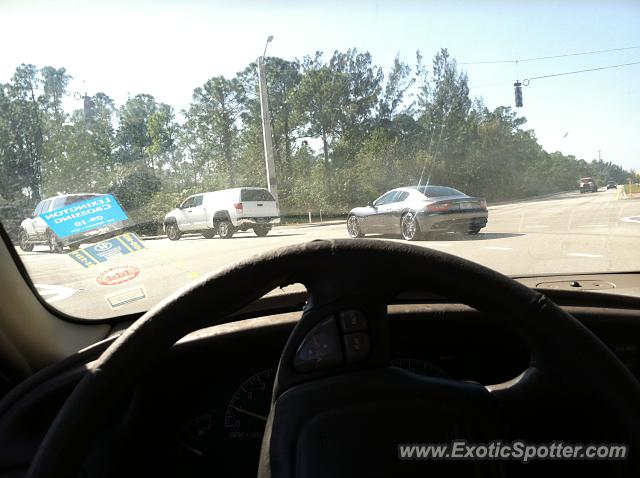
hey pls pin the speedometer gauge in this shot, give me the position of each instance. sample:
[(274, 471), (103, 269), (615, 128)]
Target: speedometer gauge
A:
[(247, 412)]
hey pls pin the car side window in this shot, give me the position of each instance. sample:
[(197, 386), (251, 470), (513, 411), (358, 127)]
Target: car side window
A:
[(395, 197), (197, 200), (45, 206), (38, 209), (188, 203), (385, 199), (401, 196), (58, 203)]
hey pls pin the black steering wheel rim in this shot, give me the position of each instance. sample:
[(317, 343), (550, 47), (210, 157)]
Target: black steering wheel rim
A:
[(322, 266)]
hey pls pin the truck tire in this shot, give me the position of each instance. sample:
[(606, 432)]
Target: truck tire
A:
[(261, 230), (225, 229), (55, 246), (173, 233), (23, 239)]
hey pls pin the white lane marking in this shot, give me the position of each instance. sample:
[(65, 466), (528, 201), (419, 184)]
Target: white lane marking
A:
[(581, 254), (497, 248), (630, 219), (54, 293), (536, 226), (593, 225)]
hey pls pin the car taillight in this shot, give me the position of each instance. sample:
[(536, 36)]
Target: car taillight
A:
[(238, 206), (439, 207), (483, 204)]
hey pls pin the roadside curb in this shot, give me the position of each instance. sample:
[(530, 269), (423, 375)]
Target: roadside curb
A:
[(534, 198), (279, 226), (313, 224), (152, 238)]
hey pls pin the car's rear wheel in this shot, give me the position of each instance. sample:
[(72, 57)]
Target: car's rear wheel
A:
[(55, 246), (173, 233), (409, 227), (262, 230), (210, 234), (353, 227), (225, 229), (23, 240)]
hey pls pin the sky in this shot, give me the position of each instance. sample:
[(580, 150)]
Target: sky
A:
[(167, 48)]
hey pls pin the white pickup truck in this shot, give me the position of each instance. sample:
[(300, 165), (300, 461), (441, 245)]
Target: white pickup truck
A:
[(223, 212)]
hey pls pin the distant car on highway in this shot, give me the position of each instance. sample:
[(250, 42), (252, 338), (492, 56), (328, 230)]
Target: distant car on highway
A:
[(35, 229), (414, 211), (612, 185), (587, 185), (223, 213)]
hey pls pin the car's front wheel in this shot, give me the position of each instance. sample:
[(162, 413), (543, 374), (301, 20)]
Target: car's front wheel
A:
[(225, 229), (55, 246), (173, 233), (23, 240), (262, 230), (353, 227), (409, 227)]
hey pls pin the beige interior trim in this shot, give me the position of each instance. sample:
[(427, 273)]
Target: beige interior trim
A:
[(31, 336)]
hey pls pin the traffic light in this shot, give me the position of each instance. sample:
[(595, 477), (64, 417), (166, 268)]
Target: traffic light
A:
[(518, 90)]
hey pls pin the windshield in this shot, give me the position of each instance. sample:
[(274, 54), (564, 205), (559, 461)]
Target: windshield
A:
[(146, 144)]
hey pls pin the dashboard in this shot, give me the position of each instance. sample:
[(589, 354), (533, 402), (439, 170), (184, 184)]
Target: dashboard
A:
[(203, 408)]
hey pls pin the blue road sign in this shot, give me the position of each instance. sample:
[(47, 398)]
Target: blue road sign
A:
[(84, 216)]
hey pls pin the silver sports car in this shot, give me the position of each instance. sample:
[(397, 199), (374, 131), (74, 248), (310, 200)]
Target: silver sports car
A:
[(416, 211)]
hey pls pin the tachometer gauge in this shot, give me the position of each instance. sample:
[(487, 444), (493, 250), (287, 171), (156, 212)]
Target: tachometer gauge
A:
[(420, 367), (247, 412)]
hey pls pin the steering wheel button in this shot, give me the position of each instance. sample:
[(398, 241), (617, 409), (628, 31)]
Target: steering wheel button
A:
[(352, 320), (320, 348), (356, 347)]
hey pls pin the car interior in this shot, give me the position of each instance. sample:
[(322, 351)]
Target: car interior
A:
[(211, 381)]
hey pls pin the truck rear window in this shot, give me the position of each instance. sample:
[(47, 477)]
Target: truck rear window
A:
[(256, 195)]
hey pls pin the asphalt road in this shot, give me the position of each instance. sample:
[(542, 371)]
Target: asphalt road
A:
[(565, 233)]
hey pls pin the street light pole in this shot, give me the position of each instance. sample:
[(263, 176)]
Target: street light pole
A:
[(272, 183)]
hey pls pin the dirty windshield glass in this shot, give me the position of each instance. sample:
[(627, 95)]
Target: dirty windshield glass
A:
[(146, 144)]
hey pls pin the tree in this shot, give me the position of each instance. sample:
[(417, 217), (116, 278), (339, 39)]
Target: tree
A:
[(213, 115), (132, 137), (320, 102), (23, 154), (395, 89), (443, 107)]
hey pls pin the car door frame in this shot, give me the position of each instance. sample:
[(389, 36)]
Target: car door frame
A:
[(199, 215), (39, 225), (184, 214), (392, 212), (374, 222)]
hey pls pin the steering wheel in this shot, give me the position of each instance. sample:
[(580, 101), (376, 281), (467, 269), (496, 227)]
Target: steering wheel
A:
[(338, 408)]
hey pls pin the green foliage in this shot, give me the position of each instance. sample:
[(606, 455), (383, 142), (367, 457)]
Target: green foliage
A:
[(343, 134)]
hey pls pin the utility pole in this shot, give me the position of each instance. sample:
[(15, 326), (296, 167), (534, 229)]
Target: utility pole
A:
[(272, 183)]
